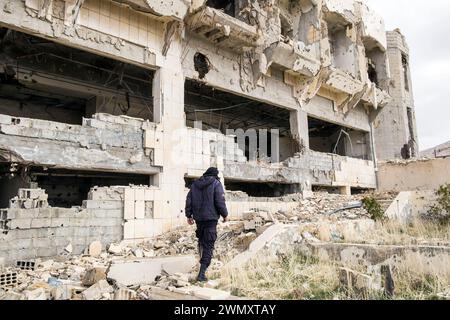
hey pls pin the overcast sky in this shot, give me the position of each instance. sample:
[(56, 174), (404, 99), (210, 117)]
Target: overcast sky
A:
[(426, 26)]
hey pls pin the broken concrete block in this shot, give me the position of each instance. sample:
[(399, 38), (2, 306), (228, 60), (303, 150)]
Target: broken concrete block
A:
[(210, 294), (182, 266), (96, 291), (115, 248), (37, 294), (124, 294), (309, 237), (357, 281), (138, 253), (11, 295), (69, 248), (144, 271), (93, 276), (248, 215), (258, 244), (95, 249)]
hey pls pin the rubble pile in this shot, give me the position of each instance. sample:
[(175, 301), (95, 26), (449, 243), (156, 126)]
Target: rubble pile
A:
[(86, 277), (327, 206)]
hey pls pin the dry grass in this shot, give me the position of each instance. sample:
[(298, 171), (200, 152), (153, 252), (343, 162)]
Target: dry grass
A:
[(418, 278), (291, 277), (295, 277), (418, 231)]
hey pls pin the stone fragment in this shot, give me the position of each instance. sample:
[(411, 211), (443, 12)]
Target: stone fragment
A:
[(95, 249), (356, 281), (124, 294), (145, 271), (96, 291), (36, 294), (93, 276), (115, 248)]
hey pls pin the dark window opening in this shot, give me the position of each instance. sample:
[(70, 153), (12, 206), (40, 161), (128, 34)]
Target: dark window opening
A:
[(44, 80), (342, 48), (65, 188), (357, 191), (405, 68), (328, 189), (376, 64), (332, 138), (227, 6), (220, 110), (264, 189), (286, 27), (372, 73), (201, 65)]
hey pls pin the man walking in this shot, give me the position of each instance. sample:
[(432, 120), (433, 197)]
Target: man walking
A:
[(205, 203)]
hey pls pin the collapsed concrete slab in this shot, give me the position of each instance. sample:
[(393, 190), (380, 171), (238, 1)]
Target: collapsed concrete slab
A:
[(144, 271)]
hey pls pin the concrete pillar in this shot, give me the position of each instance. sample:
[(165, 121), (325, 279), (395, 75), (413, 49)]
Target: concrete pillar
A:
[(298, 120), (345, 190), (168, 88)]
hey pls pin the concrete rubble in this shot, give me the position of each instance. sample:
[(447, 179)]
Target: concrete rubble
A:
[(127, 270)]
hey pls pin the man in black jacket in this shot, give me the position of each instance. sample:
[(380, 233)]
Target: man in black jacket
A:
[(205, 203)]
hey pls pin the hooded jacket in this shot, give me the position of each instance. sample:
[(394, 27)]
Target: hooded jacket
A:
[(206, 200)]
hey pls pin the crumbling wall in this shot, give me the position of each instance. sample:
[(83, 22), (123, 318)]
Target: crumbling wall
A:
[(395, 126), (306, 170), (30, 228), (425, 174), (103, 143)]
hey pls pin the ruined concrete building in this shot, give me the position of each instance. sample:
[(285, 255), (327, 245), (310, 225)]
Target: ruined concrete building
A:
[(101, 101)]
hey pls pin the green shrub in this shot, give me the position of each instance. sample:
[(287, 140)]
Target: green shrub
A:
[(373, 208), (441, 211)]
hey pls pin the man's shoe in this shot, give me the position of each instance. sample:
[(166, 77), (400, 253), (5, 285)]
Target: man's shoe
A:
[(201, 274)]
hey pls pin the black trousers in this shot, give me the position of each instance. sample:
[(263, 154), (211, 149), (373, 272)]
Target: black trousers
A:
[(207, 235)]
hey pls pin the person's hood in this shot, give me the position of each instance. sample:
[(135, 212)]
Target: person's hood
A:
[(204, 182)]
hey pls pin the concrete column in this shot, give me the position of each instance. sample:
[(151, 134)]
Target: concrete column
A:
[(345, 190), (298, 120), (168, 88)]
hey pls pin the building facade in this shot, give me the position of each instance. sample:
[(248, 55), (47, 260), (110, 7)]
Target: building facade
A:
[(109, 109)]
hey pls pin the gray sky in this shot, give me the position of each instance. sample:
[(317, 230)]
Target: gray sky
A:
[(426, 26)]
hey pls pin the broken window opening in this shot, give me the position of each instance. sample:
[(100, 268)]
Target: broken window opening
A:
[(372, 73), (405, 69), (332, 138), (44, 80), (227, 6), (220, 110), (201, 65), (263, 189), (327, 189), (376, 65), (357, 191), (286, 27), (342, 48), (66, 188)]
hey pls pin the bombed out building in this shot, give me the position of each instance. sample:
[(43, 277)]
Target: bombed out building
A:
[(110, 108)]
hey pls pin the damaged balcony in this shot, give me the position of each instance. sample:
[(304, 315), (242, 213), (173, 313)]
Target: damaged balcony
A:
[(224, 30), (174, 10), (294, 57)]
